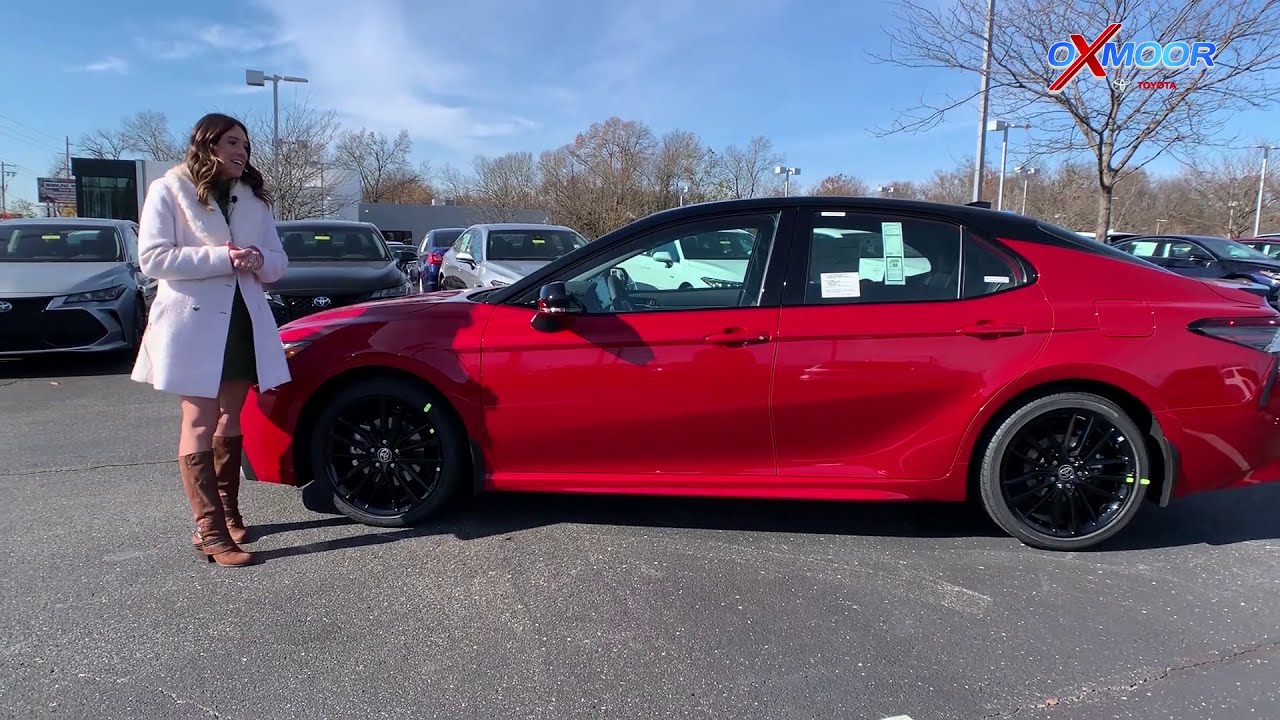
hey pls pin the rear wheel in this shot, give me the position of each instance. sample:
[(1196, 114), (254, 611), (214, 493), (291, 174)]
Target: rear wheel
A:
[(389, 452), (1065, 472)]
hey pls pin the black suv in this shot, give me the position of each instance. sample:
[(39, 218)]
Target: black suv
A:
[(1209, 257), (333, 263)]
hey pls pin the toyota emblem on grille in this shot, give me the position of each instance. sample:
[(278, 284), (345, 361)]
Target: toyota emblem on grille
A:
[(5, 307), (321, 301)]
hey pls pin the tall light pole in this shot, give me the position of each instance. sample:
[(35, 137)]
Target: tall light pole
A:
[(1158, 224), (1026, 173), (980, 165), (786, 182), (1003, 127), (257, 78), (1262, 187), (1231, 217)]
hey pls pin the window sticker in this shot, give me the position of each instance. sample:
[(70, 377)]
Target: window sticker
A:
[(841, 285), (1000, 279), (894, 268)]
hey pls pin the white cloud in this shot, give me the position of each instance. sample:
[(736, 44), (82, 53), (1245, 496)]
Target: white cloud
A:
[(107, 64), (383, 72), (194, 39)]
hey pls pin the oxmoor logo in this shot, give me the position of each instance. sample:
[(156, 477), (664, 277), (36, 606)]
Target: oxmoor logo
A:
[(1102, 54)]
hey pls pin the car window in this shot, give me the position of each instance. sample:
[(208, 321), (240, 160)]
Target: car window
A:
[(464, 242), (332, 243), (1182, 250), (1141, 248), (446, 239), (725, 269), (874, 258), (59, 242), (531, 244)]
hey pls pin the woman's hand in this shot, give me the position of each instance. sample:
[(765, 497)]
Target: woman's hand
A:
[(247, 259)]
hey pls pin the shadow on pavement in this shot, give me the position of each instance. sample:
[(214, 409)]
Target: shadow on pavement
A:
[(66, 365), (1221, 518)]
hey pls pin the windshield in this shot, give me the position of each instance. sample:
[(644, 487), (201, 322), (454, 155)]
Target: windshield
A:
[(50, 242), (1232, 249), (531, 244), (351, 244), (723, 245)]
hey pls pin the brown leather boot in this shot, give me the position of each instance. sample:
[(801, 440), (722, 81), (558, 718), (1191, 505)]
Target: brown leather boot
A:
[(227, 452), (211, 536)]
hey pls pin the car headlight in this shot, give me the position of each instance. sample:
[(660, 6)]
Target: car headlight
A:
[(96, 295), (721, 284), (499, 283), (397, 291), (273, 297)]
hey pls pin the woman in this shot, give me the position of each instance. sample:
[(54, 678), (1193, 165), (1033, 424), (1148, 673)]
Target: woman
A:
[(208, 236)]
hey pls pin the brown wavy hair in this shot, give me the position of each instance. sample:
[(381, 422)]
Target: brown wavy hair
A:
[(203, 166)]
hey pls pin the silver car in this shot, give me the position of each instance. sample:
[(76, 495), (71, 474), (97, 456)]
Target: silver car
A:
[(71, 285), (497, 254)]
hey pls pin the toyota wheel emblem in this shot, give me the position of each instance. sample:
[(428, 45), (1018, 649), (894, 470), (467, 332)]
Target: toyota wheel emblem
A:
[(321, 301), (5, 307)]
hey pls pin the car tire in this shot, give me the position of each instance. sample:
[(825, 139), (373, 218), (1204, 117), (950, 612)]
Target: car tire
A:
[(376, 494), (1096, 467)]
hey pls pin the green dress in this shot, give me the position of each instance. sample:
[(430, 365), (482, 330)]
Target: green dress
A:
[(239, 361)]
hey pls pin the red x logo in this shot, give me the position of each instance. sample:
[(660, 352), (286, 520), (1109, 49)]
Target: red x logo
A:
[(1088, 56)]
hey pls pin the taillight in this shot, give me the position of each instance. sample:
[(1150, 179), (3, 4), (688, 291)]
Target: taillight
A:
[(435, 258), (1259, 333)]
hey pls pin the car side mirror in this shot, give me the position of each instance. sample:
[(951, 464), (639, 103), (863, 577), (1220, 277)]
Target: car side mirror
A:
[(554, 304), (664, 257), (466, 258)]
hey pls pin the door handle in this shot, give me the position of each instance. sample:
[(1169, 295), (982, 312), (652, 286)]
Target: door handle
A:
[(992, 330), (737, 337)]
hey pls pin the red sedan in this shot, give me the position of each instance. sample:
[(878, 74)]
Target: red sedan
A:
[(813, 348)]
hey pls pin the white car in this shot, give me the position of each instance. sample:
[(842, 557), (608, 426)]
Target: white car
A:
[(710, 260)]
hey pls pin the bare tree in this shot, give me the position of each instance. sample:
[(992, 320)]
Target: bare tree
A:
[(1117, 124), (504, 185), (302, 175), (103, 144), (455, 185), (847, 185), (744, 172), (148, 134), (381, 163)]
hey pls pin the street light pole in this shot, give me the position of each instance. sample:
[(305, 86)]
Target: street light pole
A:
[(257, 78), (1231, 218), (786, 181), (1003, 128), (1026, 173), (1262, 187), (980, 165)]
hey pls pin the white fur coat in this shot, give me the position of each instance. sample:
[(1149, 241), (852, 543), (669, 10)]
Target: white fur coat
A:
[(183, 244)]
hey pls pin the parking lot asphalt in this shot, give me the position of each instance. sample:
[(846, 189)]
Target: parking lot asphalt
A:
[(595, 607)]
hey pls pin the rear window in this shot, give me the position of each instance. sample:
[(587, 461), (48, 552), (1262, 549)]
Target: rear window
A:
[(445, 239), (57, 242), (531, 244), (333, 243)]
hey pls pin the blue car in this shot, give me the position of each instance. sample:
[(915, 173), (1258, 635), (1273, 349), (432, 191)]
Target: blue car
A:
[(1209, 257), (431, 255)]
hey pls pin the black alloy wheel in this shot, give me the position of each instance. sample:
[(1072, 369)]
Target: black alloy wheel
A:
[(389, 452), (1065, 472)]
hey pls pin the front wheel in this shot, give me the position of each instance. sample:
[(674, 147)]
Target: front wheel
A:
[(389, 452), (1065, 472)]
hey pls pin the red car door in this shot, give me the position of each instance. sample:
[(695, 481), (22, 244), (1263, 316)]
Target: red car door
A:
[(894, 332), (663, 372)]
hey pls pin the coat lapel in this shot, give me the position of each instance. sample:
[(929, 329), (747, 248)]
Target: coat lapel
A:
[(204, 220)]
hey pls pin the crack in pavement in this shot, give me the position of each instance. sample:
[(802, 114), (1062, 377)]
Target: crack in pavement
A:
[(48, 471), (178, 700), (1088, 693)]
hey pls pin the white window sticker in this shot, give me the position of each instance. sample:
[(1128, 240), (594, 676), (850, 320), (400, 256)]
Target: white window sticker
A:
[(1001, 279), (832, 213), (895, 272), (841, 285), (891, 233)]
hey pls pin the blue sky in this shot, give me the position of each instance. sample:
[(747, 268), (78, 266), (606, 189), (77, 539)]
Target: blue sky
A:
[(490, 76)]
